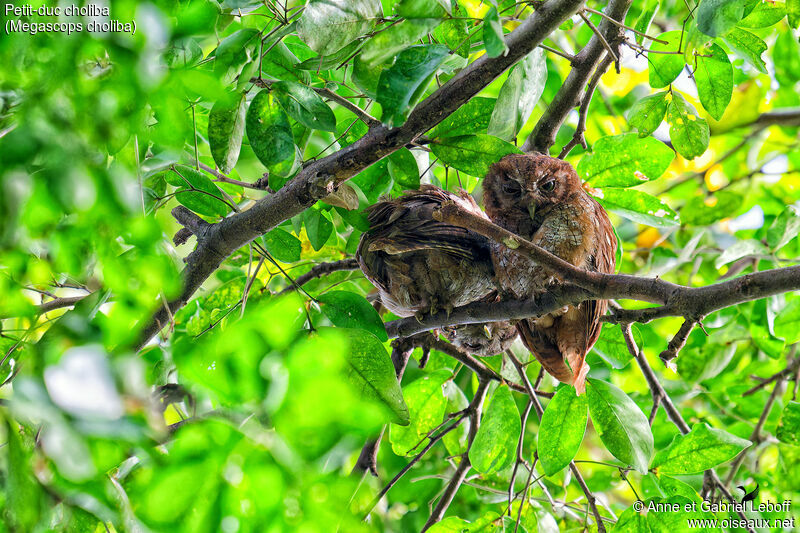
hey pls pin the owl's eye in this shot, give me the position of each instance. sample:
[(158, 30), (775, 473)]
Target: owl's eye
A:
[(548, 186), (511, 187)]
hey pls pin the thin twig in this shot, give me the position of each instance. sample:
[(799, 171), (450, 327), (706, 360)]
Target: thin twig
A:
[(678, 341), (583, 111)]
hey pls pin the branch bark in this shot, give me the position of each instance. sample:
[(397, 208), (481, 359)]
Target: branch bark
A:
[(321, 177), (585, 62)]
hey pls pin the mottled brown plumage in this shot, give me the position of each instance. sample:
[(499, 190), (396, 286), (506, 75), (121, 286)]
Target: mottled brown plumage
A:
[(420, 265), (541, 199)]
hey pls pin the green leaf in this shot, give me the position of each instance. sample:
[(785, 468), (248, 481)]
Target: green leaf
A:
[(519, 95), (472, 117), (184, 52), (612, 348), (304, 105), (647, 114), (793, 12), (283, 245), (675, 513), (749, 46), (789, 425), (787, 322), (637, 206), (740, 249), (318, 227), (233, 52), (702, 211), (495, 444), (372, 372), (324, 62), (646, 17), (763, 15), (561, 430), (197, 192), (631, 521), (421, 9), (786, 58), (374, 180), (688, 132), (714, 78), (664, 68), (715, 17), (703, 360), (785, 228), (330, 25), (702, 448), (620, 423), (23, 494), (624, 161), (269, 131), (473, 154), (401, 85), (225, 130), (390, 42), (404, 170), (456, 440), (493, 34), (453, 32), (280, 62), (350, 310), (426, 404)]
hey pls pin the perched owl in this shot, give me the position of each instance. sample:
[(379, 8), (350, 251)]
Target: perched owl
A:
[(420, 265), (541, 199)]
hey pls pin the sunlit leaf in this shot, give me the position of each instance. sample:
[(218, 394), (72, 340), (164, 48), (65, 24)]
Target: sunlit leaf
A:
[(329, 25), (647, 114), (225, 130), (283, 245), (637, 206), (197, 192), (518, 96), (664, 67), (561, 430), (785, 228), (749, 46), (350, 310), (715, 17), (426, 404), (269, 131), (304, 105), (620, 423), (495, 444), (472, 117), (402, 84), (688, 132), (389, 43), (318, 227), (493, 34), (624, 161), (473, 154), (702, 448), (789, 425), (714, 78)]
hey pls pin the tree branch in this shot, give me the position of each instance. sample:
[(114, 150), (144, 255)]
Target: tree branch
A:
[(586, 61), (322, 269), (321, 177)]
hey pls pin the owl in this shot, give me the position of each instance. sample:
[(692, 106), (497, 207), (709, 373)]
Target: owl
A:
[(541, 199), (420, 265)]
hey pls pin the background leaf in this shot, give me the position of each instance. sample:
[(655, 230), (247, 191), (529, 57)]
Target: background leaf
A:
[(225, 130), (473, 154), (714, 78), (624, 160)]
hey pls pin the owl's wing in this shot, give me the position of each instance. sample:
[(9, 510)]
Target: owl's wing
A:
[(407, 225), (545, 351)]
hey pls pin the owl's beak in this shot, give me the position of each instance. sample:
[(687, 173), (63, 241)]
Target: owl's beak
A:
[(531, 210)]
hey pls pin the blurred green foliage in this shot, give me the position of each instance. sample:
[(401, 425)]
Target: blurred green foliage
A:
[(249, 411)]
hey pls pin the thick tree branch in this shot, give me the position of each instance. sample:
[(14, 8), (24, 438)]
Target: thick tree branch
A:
[(585, 62), (321, 177)]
